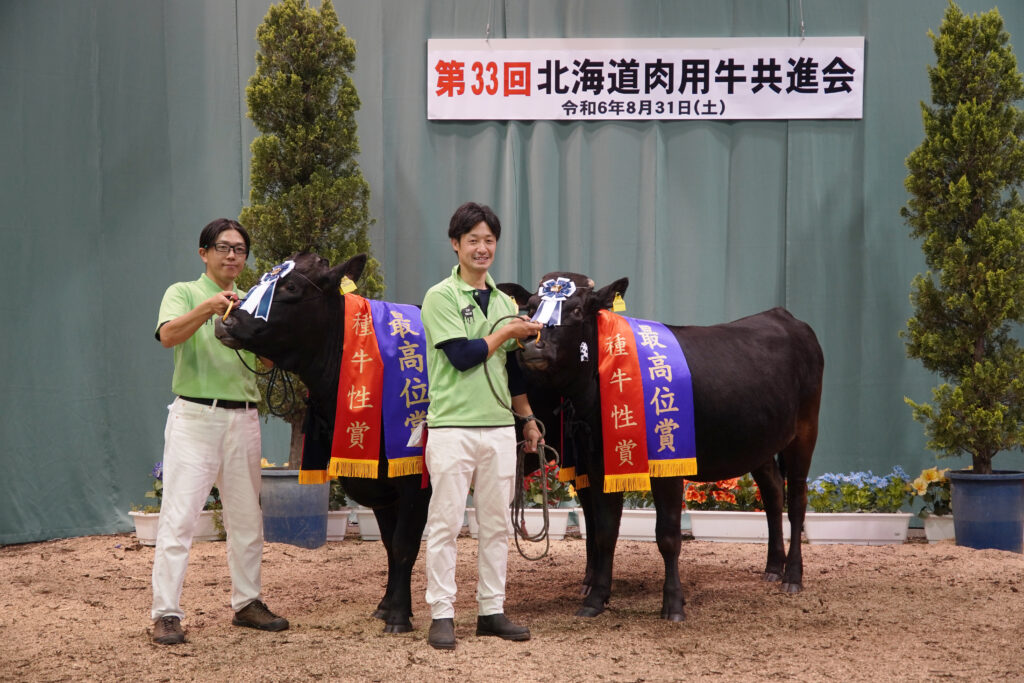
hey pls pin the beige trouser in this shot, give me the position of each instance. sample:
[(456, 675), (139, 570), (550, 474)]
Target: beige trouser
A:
[(203, 446), (457, 457)]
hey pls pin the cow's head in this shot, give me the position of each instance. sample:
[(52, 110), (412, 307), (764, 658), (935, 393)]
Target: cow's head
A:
[(567, 352), (305, 303)]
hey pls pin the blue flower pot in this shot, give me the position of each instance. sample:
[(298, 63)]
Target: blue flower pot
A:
[(988, 509), (293, 513)]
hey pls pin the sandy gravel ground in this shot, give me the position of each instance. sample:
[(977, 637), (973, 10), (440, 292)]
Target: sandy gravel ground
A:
[(77, 609)]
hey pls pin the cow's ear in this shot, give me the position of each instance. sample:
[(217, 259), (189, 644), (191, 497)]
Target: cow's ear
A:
[(604, 297), (353, 268), (520, 294)]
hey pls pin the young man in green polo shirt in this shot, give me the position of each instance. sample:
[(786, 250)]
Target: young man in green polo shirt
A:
[(212, 437), (471, 438)]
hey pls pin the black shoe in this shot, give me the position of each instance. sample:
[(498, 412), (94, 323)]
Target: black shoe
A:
[(442, 634), (168, 631), (256, 615), (499, 625)]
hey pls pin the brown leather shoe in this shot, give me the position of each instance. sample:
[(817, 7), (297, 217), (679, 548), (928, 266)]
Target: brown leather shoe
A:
[(256, 615), (442, 634), (499, 625), (168, 631)]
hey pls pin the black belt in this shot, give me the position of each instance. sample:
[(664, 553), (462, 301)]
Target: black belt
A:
[(221, 403)]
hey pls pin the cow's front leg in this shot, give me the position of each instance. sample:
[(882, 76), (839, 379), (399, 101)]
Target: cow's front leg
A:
[(389, 609), (668, 501), (606, 513), (405, 548)]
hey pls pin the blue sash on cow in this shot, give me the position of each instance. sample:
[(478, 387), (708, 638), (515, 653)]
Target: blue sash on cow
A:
[(641, 361)]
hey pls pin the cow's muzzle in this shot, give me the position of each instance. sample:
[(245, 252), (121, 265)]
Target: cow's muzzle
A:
[(222, 330), (532, 356)]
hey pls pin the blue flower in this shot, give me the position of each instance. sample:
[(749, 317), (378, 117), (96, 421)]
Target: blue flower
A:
[(158, 470)]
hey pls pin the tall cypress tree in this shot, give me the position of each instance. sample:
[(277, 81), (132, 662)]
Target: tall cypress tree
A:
[(966, 210), (308, 192)]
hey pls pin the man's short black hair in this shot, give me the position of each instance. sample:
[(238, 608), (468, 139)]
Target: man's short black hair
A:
[(208, 237), (468, 215)]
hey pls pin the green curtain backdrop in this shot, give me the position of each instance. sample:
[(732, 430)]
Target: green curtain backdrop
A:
[(123, 131)]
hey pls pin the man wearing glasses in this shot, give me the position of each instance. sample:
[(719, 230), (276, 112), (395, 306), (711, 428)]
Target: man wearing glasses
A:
[(212, 437)]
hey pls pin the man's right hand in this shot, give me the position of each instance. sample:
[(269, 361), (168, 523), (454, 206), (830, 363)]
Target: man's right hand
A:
[(218, 303), (522, 327)]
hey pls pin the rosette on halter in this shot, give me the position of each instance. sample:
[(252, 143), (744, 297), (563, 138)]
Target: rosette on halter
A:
[(258, 300), (553, 293)]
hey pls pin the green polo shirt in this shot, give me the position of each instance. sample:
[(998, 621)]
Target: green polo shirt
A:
[(203, 367), (465, 399)]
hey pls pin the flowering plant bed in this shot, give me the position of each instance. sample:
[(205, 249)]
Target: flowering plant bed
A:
[(209, 527), (859, 492), (739, 494), (558, 492), (932, 487)]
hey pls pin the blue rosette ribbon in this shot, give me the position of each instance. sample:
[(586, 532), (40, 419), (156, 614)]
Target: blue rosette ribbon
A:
[(553, 293), (261, 296)]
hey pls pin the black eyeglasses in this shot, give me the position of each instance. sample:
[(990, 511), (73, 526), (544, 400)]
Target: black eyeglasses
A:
[(223, 248)]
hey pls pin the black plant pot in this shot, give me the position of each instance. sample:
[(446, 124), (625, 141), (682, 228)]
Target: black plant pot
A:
[(988, 509)]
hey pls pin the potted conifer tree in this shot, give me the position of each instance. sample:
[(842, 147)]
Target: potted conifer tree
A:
[(307, 194), (307, 190), (965, 208)]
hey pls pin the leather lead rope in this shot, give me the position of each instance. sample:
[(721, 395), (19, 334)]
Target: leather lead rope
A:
[(516, 513)]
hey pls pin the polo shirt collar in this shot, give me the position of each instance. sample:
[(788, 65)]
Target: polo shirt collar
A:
[(206, 282), (462, 284)]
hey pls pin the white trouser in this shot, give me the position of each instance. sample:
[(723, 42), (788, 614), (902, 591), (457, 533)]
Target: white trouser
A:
[(203, 446), (453, 456)]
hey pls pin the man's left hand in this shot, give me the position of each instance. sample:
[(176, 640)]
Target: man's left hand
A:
[(531, 434)]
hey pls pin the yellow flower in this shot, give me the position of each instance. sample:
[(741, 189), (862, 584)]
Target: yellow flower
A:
[(920, 486), (931, 474), (266, 463), (572, 491)]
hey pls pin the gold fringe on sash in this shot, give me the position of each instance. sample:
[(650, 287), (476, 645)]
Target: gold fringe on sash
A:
[(400, 467), (567, 474), (314, 477), (345, 467), (678, 467), (582, 481), (614, 483)]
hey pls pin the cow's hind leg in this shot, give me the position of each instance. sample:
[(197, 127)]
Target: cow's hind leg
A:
[(586, 506), (668, 500), (769, 481), (797, 462)]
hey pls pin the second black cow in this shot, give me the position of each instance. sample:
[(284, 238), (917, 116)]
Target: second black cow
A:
[(756, 392)]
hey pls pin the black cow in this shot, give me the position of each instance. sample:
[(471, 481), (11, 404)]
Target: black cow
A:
[(305, 335), (756, 392)]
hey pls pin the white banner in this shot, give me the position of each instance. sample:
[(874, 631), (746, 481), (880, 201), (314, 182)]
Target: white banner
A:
[(591, 79)]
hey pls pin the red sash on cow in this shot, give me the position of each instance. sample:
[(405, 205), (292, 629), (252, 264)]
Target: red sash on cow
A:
[(646, 403)]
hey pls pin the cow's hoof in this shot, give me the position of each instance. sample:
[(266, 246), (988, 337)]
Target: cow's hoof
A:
[(381, 614), (584, 590), (398, 628), (772, 577), (589, 611), (791, 587), (676, 617)]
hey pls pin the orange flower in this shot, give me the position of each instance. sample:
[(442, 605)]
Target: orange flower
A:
[(730, 484), (695, 495), (724, 497)]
